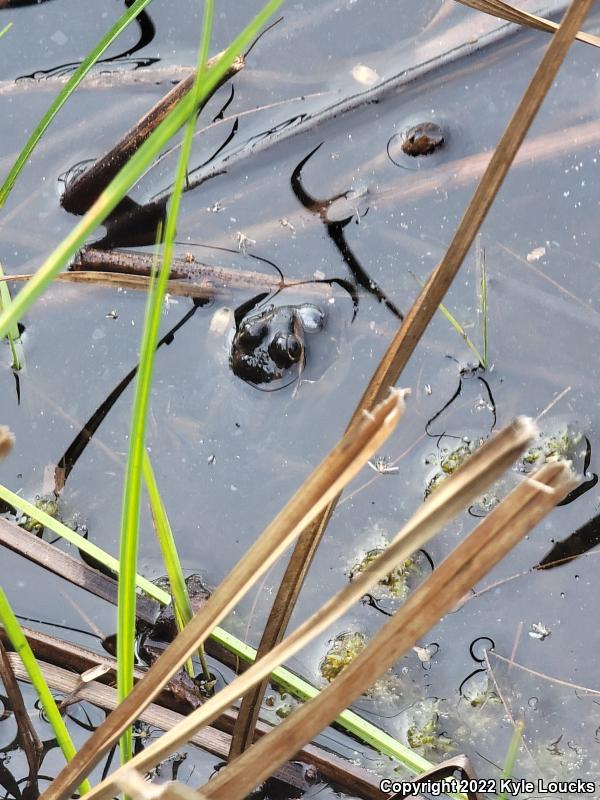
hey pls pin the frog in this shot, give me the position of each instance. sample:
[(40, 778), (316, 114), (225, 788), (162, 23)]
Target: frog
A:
[(269, 345), (423, 139)]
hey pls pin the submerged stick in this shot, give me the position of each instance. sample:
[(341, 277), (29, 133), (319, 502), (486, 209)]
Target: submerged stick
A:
[(85, 188), (325, 482), (65, 682), (123, 281), (28, 738), (89, 260), (464, 567), (76, 572)]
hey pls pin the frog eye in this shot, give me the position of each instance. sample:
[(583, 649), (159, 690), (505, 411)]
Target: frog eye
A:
[(312, 318), (285, 349), (252, 333)]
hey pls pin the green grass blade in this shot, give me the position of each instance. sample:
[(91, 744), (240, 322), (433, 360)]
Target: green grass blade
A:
[(132, 489), (133, 479), (511, 755), (5, 29), (78, 541), (483, 293), (182, 602), (21, 646), (66, 92), (170, 556), (457, 327), (167, 543), (13, 335), (128, 175)]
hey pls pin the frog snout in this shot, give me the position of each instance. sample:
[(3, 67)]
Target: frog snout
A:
[(285, 349)]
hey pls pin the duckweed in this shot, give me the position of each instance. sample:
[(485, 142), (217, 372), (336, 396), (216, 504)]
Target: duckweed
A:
[(427, 738), (47, 503), (395, 583), (448, 462), (551, 447), (344, 649)]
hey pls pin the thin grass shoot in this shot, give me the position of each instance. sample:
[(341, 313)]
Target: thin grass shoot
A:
[(511, 756), (181, 601), (53, 715)]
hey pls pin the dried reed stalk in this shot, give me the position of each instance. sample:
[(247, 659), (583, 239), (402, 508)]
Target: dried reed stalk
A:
[(124, 281), (324, 483), (464, 567), (85, 188), (497, 8), (465, 485), (410, 332)]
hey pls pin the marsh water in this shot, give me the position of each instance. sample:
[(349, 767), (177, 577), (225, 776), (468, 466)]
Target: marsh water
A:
[(269, 161)]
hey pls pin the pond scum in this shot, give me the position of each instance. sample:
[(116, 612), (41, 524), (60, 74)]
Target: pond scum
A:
[(353, 665)]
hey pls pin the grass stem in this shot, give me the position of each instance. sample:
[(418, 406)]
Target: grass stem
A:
[(21, 646)]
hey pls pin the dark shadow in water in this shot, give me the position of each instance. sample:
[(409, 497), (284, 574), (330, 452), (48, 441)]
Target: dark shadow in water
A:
[(584, 538), (147, 34), (579, 542), (220, 148), (7, 780), (335, 231), (134, 225), (220, 114), (586, 485), (17, 386), (81, 441)]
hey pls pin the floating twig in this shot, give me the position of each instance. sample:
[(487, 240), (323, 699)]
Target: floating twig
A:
[(71, 569), (84, 189), (130, 262), (123, 281)]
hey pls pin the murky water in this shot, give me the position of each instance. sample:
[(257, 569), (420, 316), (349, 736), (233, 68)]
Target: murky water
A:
[(227, 456)]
